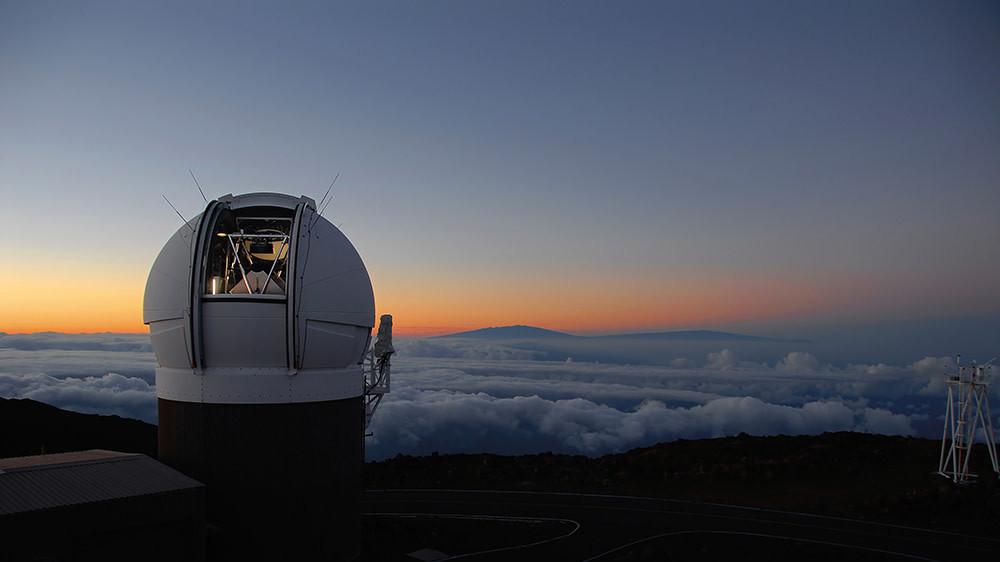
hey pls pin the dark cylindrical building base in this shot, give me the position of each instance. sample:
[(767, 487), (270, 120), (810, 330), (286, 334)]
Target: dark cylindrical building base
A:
[(284, 480)]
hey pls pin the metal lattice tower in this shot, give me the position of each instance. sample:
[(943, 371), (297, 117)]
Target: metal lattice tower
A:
[(967, 410)]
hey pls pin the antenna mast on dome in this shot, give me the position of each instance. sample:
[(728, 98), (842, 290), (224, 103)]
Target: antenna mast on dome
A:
[(967, 410)]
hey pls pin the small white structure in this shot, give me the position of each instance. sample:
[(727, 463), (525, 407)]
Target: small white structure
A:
[(967, 411)]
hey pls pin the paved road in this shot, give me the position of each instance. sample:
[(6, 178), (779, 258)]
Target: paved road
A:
[(596, 527)]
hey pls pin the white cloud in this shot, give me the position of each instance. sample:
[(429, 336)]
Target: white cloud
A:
[(108, 394), (798, 362), (934, 366), (934, 370), (722, 360), (61, 363), (90, 342), (462, 349), (422, 421), (490, 396)]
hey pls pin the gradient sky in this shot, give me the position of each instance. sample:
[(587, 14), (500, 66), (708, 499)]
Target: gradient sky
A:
[(581, 166)]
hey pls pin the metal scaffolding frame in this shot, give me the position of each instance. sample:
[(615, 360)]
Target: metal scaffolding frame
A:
[(967, 411), (377, 369)]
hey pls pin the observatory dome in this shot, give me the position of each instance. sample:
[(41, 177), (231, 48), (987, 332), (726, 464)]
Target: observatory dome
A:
[(259, 300)]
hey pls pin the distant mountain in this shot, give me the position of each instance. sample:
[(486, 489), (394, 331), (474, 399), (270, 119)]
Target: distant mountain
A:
[(521, 332), (510, 333)]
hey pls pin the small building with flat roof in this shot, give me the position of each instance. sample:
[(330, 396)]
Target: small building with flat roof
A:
[(99, 505)]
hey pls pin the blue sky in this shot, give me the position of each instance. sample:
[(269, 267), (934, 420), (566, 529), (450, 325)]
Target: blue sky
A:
[(791, 164)]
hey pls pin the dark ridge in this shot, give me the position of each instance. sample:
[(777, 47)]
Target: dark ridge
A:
[(32, 428), (534, 332), (855, 475), (510, 332)]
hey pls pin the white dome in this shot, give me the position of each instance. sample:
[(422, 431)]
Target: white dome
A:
[(258, 300)]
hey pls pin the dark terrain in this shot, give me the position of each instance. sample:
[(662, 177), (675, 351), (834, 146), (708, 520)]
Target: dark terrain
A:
[(28, 427), (856, 475), (521, 332), (852, 475)]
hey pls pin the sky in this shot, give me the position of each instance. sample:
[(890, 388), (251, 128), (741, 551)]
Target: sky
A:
[(777, 167)]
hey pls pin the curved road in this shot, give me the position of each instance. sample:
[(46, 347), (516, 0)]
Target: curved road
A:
[(597, 527)]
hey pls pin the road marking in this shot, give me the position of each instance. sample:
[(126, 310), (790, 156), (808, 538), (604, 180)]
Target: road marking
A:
[(745, 519), (576, 527), (694, 532), (692, 502)]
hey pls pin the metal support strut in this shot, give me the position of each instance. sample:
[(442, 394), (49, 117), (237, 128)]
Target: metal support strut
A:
[(377, 369)]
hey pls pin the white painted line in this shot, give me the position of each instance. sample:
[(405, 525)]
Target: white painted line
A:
[(693, 502), (576, 527), (814, 541)]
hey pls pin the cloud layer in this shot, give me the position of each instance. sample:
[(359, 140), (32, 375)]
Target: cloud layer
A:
[(82, 342), (490, 396), (516, 406), (442, 420), (108, 394)]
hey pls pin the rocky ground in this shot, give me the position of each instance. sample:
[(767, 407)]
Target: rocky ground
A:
[(854, 475)]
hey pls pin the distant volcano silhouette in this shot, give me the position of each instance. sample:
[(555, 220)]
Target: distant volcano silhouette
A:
[(521, 331)]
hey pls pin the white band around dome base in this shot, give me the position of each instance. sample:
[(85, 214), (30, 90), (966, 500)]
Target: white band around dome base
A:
[(258, 386)]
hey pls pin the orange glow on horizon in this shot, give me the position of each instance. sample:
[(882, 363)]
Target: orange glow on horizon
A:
[(603, 304), (93, 299), (109, 299)]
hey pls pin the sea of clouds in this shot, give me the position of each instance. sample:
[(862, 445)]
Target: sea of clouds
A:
[(491, 396)]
